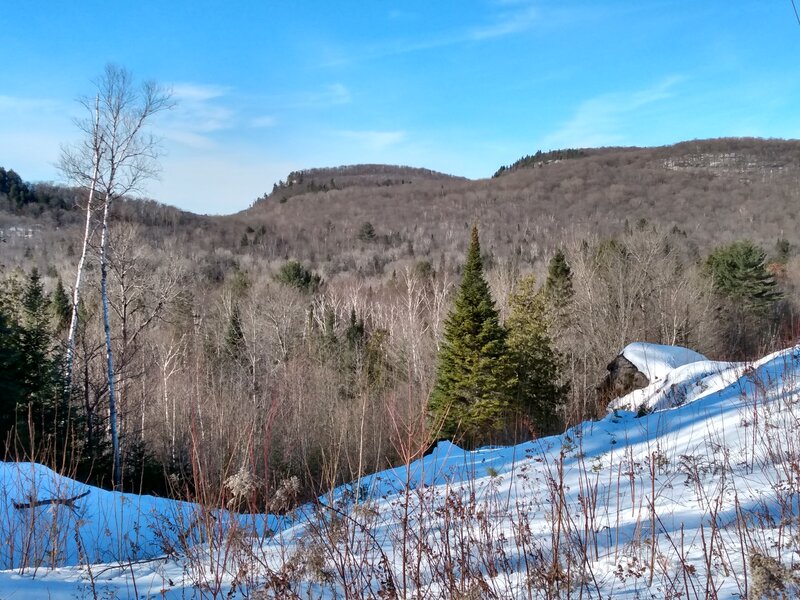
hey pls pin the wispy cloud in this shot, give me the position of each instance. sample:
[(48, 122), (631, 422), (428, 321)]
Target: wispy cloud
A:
[(18, 104), (263, 121), (602, 121), (374, 140), (326, 96), (31, 133), (333, 94), (508, 22), (397, 14), (239, 178), (511, 19), (193, 92), (33, 153), (507, 18), (200, 110)]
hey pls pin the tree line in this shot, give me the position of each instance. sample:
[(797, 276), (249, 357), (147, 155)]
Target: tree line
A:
[(294, 376), (189, 350)]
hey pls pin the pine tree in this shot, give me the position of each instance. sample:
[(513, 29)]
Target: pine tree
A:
[(537, 365), (38, 364), (11, 394), (558, 285), (558, 292), (60, 307), (739, 273), (356, 333), (35, 338), (474, 379), (294, 274), (234, 338)]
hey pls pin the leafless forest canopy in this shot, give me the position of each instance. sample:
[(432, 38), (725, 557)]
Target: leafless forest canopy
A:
[(221, 364)]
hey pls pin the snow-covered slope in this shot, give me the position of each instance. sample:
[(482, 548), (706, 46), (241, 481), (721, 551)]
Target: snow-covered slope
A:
[(657, 360), (699, 499)]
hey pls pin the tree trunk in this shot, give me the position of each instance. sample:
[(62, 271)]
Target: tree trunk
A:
[(112, 403), (76, 296)]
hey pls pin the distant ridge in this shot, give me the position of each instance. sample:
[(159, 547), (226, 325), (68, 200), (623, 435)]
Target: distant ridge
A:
[(362, 175), (713, 191), (744, 152)]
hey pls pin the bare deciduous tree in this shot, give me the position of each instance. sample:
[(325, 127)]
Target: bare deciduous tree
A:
[(116, 156)]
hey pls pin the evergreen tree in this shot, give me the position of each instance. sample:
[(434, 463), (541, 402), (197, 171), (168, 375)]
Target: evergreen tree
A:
[(234, 337), (558, 290), (366, 233), (10, 371), (783, 251), (294, 274), (38, 364), (60, 307), (739, 273), (356, 333), (537, 365), (35, 336), (558, 286), (474, 379), (329, 339)]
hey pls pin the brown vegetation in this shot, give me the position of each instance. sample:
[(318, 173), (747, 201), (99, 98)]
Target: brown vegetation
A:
[(222, 367)]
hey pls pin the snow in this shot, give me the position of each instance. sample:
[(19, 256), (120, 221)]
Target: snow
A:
[(101, 526), (656, 360), (683, 384), (687, 490)]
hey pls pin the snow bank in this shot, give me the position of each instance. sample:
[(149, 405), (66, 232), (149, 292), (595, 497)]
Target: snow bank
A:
[(656, 360), (100, 526), (681, 385), (720, 448)]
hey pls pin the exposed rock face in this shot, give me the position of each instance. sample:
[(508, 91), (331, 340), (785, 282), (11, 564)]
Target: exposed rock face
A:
[(623, 377)]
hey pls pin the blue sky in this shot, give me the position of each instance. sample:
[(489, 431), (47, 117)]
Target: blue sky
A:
[(266, 87)]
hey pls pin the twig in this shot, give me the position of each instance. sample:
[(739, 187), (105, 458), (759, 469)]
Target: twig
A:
[(70, 502)]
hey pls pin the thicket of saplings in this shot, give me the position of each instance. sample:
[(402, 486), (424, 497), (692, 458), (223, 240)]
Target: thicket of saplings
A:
[(275, 369)]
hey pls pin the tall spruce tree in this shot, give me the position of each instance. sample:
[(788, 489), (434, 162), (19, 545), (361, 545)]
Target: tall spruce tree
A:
[(739, 273), (474, 379), (39, 377), (558, 285), (60, 307), (11, 392), (235, 344), (747, 294), (538, 392), (558, 291)]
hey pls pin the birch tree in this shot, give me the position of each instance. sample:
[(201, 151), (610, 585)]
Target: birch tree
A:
[(115, 157), (73, 163)]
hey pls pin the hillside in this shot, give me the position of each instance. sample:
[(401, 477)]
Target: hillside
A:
[(338, 178), (316, 322), (713, 190), (695, 500)]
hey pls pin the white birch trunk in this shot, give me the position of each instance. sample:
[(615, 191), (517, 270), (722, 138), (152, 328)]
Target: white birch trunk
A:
[(76, 294), (112, 403)]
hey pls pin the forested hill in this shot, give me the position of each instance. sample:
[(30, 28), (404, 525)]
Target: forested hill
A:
[(714, 191), (325, 311), (715, 155), (49, 205), (365, 217), (339, 178)]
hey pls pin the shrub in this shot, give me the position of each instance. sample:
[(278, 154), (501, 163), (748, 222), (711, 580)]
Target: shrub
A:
[(294, 274)]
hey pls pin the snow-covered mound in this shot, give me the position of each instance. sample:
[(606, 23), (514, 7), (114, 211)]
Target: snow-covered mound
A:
[(681, 385), (690, 380), (656, 360), (699, 500), (48, 520)]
